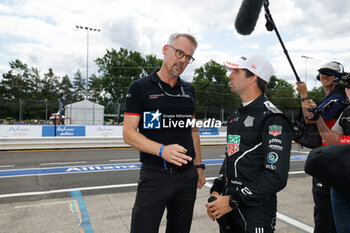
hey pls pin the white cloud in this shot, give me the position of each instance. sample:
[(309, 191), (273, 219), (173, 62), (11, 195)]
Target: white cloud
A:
[(42, 33)]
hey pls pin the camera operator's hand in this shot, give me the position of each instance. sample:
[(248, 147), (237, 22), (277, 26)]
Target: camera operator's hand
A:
[(218, 208), (302, 89), (310, 114), (175, 154)]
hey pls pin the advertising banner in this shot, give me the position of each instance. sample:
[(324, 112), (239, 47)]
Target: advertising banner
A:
[(208, 131), (63, 131), (104, 131), (12, 131)]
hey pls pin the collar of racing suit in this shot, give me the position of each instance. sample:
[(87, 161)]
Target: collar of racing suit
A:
[(257, 101)]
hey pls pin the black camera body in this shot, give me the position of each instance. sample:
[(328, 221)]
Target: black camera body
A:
[(345, 77), (317, 113)]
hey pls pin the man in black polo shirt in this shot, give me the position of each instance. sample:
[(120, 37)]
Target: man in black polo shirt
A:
[(158, 121)]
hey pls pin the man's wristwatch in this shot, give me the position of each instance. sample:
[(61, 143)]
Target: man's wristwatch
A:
[(303, 99), (233, 204), (201, 166)]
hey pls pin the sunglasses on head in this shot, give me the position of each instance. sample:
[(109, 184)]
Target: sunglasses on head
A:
[(328, 73)]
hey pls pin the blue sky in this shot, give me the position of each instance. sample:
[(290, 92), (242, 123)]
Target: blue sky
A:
[(42, 33)]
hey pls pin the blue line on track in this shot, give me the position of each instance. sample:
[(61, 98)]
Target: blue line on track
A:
[(84, 222), (97, 168)]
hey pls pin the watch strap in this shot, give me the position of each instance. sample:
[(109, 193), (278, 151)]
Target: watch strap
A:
[(233, 204), (303, 99)]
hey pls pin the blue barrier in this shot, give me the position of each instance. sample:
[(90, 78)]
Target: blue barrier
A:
[(30, 131), (63, 131), (208, 131)]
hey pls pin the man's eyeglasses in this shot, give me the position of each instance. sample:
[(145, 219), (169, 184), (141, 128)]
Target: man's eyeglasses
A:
[(180, 54)]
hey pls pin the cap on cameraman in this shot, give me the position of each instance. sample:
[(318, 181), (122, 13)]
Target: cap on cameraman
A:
[(257, 64), (330, 69)]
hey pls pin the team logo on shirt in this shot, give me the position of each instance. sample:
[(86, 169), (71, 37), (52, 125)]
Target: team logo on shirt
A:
[(272, 157), (151, 120), (275, 130), (233, 144), (249, 121)]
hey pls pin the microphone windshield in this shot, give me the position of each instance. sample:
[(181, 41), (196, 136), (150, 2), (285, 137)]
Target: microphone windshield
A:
[(247, 16)]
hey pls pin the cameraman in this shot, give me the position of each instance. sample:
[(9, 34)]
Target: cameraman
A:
[(341, 129), (329, 77)]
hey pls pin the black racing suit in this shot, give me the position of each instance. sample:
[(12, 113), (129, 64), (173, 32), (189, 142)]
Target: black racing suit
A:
[(256, 165)]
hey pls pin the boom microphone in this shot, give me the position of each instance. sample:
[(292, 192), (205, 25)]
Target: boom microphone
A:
[(247, 16)]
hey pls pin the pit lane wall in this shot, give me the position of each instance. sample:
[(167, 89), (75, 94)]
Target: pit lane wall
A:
[(19, 137)]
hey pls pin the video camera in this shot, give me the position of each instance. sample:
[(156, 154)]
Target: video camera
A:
[(317, 112), (345, 77)]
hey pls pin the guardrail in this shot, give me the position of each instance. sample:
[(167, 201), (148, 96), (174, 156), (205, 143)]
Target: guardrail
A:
[(26, 143)]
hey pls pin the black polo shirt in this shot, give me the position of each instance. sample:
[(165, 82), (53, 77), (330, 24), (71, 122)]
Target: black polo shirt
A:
[(165, 113)]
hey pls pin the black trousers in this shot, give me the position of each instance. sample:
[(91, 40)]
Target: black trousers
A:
[(323, 215), (158, 190), (259, 219)]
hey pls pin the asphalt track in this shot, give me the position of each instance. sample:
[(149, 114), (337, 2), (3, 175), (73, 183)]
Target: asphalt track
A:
[(94, 190)]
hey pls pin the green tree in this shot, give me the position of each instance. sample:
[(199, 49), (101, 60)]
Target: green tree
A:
[(95, 88), (35, 84), (317, 94), (16, 90), (16, 81), (66, 89), (79, 87), (34, 104), (2, 91), (213, 91), (50, 89), (118, 69), (281, 93), (152, 63)]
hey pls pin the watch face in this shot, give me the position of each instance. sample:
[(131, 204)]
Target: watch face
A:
[(233, 203)]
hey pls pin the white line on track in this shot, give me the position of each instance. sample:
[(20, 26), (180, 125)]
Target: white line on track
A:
[(296, 172), (93, 188), (288, 220), (295, 223), (6, 166), (302, 152), (50, 203), (124, 160), (67, 190), (64, 163)]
